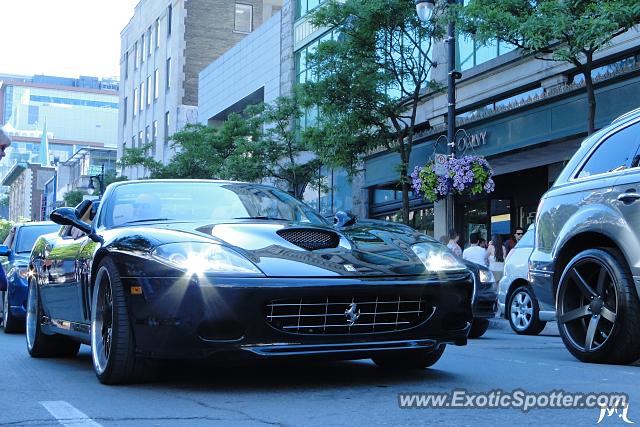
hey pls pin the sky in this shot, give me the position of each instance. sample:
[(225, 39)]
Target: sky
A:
[(66, 38)]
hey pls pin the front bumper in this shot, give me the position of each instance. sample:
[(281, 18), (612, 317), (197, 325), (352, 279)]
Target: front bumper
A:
[(200, 318)]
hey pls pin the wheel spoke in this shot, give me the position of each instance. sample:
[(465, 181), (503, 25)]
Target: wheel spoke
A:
[(601, 281), (608, 314), (577, 313), (582, 284), (591, 332)]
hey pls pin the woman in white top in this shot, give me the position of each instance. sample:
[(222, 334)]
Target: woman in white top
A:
[(495, 254)]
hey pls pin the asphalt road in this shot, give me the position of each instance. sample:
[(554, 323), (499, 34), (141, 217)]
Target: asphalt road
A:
[(50, 392)]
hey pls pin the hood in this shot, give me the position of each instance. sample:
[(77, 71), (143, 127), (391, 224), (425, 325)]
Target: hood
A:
[(289, 249)]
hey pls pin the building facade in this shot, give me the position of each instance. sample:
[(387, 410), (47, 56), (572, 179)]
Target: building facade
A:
[(164, 47), (74, 113), (525, 115), (75, 173), (26, 184)]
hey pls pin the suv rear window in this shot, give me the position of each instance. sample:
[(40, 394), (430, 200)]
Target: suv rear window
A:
[(614, 154)]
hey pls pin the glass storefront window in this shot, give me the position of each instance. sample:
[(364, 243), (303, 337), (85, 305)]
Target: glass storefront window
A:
[(419, 219), (303, 7), (331, 192)]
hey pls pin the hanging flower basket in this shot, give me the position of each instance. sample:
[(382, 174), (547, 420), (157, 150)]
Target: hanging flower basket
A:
[(468, 175)]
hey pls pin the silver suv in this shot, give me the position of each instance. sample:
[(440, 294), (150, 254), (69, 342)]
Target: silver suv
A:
[(586, 260)]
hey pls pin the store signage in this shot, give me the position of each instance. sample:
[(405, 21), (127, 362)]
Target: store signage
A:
[(439, 162), (469, 142)]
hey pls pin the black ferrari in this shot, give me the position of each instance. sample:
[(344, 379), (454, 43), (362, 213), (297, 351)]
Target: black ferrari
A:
[(178, 269)]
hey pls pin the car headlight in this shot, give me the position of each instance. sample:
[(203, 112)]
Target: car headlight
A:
[(200, 258), (436, 258), (23, 272), (486, 276)]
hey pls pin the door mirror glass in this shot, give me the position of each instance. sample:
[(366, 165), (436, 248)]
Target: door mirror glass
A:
[(4, 250)]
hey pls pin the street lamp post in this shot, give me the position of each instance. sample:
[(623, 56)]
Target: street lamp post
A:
[(100, 179), (424, 9)]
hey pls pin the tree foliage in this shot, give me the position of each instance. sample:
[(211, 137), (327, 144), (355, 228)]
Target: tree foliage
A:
[(369, 82), (570, 31), (72, 198), (283, 153), (206, 153)]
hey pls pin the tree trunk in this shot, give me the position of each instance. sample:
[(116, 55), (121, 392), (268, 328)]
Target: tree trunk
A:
[(405, 196), (591, 95)]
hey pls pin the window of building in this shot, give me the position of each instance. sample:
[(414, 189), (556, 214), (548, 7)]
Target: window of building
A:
[(136, 62), (147, 135), (126, 65), (168, 74), (169, 13), (471, 53), (135, 101), (140, 138), (34, 111), (614, 154), (149, 92), (167, 122), (306, 6), (143, 47), (156, 86), (624, 65), (243, 18), (156, 32), (124, 110), (142, 96), (149, 41), (506, 103), (155, 130), (133, 141)]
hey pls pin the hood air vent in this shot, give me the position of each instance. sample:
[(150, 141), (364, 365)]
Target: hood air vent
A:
[(310, 239)]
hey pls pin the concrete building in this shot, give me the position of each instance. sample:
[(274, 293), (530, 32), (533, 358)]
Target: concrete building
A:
[(74, 174), (74, 112), (164, 47), (26, 184)]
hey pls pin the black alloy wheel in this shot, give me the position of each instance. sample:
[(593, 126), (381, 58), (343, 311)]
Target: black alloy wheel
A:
[(597, 308)]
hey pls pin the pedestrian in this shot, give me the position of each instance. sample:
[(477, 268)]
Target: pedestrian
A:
[(495, 254), (482, 243), (5, 142), (517, 235), (475, 253), (453, 245)]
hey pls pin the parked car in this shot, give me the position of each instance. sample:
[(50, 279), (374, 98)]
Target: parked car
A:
[(17, 247), (586, 261), (193, 269), (518, 303), (485, 298)]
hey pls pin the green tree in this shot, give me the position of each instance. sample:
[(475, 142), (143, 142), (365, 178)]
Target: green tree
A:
[(569, 31), (369, 82), (205, 152), (72, 198), (5, 227), (284, 155)]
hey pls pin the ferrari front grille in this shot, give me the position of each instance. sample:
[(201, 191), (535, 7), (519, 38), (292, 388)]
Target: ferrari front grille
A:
[(310, 239), (340, 316)]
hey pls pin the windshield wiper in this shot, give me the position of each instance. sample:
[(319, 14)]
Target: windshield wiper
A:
[(144, 220), (263, 217)]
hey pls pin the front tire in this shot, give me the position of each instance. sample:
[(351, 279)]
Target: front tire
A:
[(478, 328), (523, 312), (112, 341), (408, 359), (40, 344), (597, 308)]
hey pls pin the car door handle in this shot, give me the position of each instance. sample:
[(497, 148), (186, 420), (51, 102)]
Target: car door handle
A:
[(628, 198)]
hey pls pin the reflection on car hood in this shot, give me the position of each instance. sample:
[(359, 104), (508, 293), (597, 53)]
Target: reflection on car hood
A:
[(277, 247)]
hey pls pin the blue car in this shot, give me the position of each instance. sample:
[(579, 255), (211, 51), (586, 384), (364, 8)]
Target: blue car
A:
[(17, 248)]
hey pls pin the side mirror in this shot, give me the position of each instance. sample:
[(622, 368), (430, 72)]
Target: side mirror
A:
[(69, 216), (4, 250), (344, 219)]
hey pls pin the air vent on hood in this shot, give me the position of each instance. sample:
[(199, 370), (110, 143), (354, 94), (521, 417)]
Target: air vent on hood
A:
[(310, 239)]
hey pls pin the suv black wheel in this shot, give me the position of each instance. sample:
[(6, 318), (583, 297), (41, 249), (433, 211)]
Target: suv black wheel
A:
[(523, 312), (478, 328), (408, 359), (597, 308)]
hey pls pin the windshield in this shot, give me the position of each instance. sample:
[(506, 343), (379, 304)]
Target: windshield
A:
[(28, 234), (138, 203)]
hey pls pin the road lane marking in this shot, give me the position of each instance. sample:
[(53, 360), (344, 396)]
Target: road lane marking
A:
[(67, 414)]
